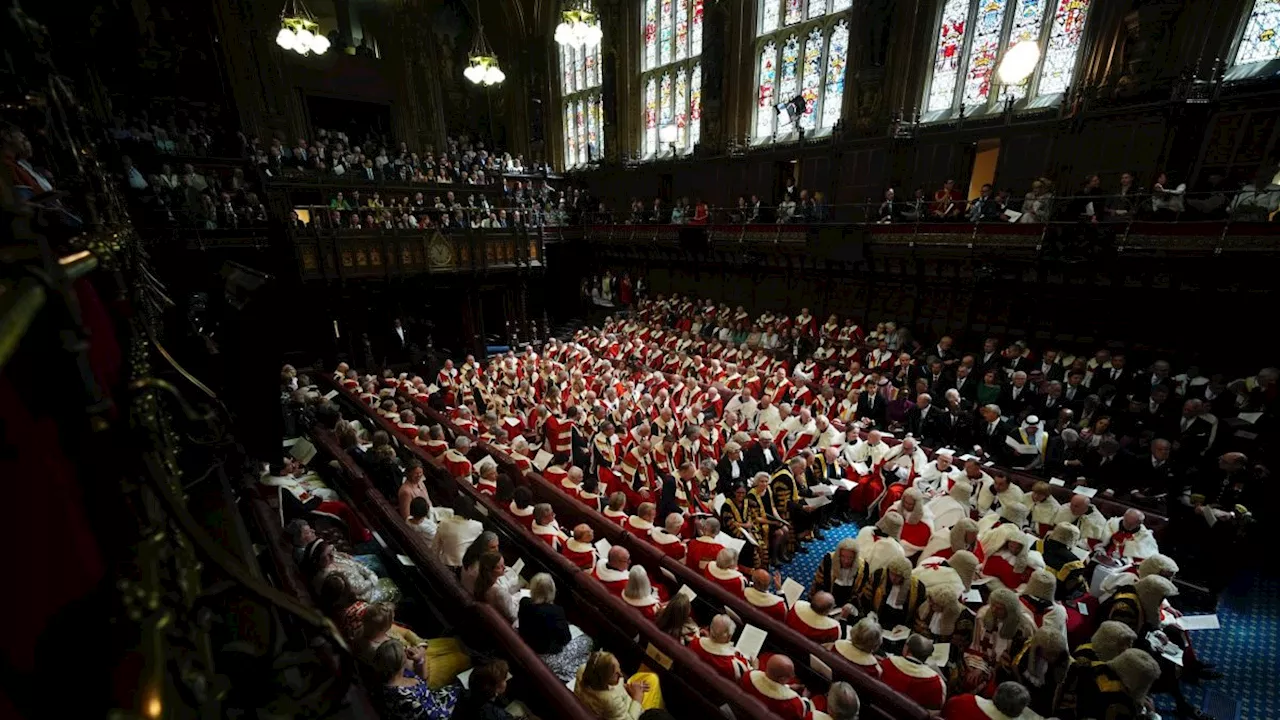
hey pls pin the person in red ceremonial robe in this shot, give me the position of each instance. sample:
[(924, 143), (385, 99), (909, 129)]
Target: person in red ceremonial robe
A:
[(812, 618), (1130, 538), (704, 548), (448, 376), (566, 480), (758, 594), (1010, 702), (615, 510), (579, 549), (878, 544), (724, 572), (917, 527), (488, 482), (521, 507), (870, 453), (545, 527), (638, 592), (612, 571), (909, 674), (667, 537), (455, 460), (771, 687), (861, 646), (962, 536), (1007, 563), (639, 480), (716, 648), (641, 524), (406, 426), (432, 441)]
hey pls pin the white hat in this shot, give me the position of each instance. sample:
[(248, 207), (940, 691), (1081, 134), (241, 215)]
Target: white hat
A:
[(1033, 420), (946, 453)]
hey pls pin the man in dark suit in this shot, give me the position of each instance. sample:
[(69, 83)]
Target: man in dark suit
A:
[(950, 425), (1109, 468), (1155, 476), (871, 406), (1193, 434), (937, 377), (991, 432), (1015, 359), (799, 346), (1117, 375), (991, 359), (398, 342), (1051, 403), (1159, 413), (966, 384), (1049, 366), (918, 416), (1157, 376), (945, 353), (1075, 391), (1018, 396)]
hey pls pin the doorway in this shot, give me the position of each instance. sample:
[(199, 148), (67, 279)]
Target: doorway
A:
[(986, 156)]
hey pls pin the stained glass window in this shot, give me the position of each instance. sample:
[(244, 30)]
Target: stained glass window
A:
[(695, 106), (672, 78), (1064, 43), (583, 113), (1260, 41), (973, 36), (650, 33), (794, 14), (837, 58), (764, 102), (665, 33), (811, 78), (983, 51), (807, 59)]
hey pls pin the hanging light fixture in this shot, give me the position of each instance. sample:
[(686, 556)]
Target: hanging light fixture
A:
[(482, 67), (579, 25), (299, 30), (1019, 63)]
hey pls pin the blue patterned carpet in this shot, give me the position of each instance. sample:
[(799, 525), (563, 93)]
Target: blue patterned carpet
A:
[(1245, 649)]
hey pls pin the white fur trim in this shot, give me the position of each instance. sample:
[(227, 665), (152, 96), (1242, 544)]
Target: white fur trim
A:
[(578, 546), (769, 688), (604, 573), (641, 602), (854, 655), (641, 526), (526, 512), (712, 647), (806, 614), (988, 708), (761, 599), (722, 573), (911, 669), (662, 537)]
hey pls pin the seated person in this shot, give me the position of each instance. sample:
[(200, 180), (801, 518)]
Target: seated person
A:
[(862, 645), (1058, 551), (1129, 538), (639, 593), (420, 519), (948, 509), (402, 693), (1000, 631), (545, 527), (667, 537), (962, 536), (616, 509), (1117, 688), (546, 631), (521, 506), (599, 685), (1011, 702), (612, 571), (323, 559), (724, 572), (878, 544), (495, 586), (758, 594), (773, 687), (842, 573), (642, 522), (703, 549), (812, 618), (717, 648), (944, 619), (456, 462), (486, 543), (893, 594), (1044, 508), (676, 619), (1007, 564), (456, 533), (1037, 598), (842, 703), (910, 675), (483, 697), (1081, 513), (303, 492), (580, 549), (1042, 666)]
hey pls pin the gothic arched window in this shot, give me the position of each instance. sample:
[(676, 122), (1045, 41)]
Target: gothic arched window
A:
[(1260, 39), (671, 75), (582, 74), (802, 48), (972, 38)]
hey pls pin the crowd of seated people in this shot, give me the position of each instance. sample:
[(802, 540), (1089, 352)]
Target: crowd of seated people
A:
[(353, 209), (779, 435), (184, 130), (205, 198), (377, 159)]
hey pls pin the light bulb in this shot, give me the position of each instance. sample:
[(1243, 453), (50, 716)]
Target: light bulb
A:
[(563, 34), (319, 44), (285, 38), (496, 74), (1019, 62), (472, 73), (594, 35), (303, 44)]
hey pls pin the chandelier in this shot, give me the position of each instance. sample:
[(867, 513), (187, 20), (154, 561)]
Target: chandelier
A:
[(299, 30), (482, 67), (579, 25)]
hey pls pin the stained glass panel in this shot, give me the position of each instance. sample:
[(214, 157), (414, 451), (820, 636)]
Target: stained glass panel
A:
[(1064, 45), (794, 11), (1028, 19), (695, 107), (767, 90), (664, 101), (790, 82), (769, 16), (650, 33), (665, 33), (983, 52), (695, 31), (593, 67), (580, 67), (682, 29), (837, 58), (838, 5), (682, 102), (651, 117), (593, 128), (817, 8), (566, 60), (811, 78), (1261, 39), (570, 141), (946, 61), (582, 135)]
